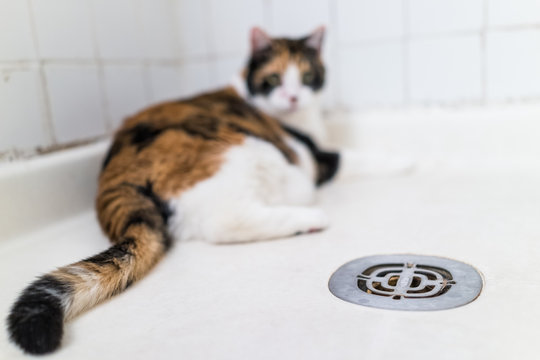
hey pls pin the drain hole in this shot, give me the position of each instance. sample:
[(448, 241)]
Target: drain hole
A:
[(416, 281), (370, 270), (422, 291), (393, 280), (419, 281), (377, 286), (445, 273)]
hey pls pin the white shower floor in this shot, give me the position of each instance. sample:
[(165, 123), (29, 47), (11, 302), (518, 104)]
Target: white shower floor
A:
[(270, 300)]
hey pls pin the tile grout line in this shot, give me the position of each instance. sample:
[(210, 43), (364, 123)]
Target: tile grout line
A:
[(47, 120), (405, 43), (144, 63), (332, 12), (100, 69), (210, 56), (483, 51)]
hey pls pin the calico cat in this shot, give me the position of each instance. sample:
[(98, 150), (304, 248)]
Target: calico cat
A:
[(218, 167)]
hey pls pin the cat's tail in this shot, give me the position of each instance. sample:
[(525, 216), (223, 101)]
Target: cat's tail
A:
[(37, 318)]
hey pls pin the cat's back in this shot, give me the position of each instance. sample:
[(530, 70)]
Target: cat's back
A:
[(185, 139)]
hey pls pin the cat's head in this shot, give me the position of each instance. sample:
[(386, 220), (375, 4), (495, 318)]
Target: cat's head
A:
[(284, 75)]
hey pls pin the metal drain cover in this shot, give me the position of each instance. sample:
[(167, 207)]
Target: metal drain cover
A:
[(406, 282)]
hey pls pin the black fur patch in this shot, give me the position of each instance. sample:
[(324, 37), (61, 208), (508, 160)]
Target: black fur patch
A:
[(257, 60), (114, 150), (240, 108), (313, 57), (240, 129), (117, 252), (142, 216), (129, 283), (203, 126), (166, 240), (143, 135), (163, 208), (327, 162), (36, 320), (327, 166), (146, 216)]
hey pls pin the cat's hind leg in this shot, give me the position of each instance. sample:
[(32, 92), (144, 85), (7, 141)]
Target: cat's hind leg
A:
[(263, 222), (256, 195)]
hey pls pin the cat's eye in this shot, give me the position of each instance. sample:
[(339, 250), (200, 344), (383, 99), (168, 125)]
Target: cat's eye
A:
[(308, 78), (272, 80)]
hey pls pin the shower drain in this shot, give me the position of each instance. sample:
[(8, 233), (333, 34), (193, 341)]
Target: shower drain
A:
[(406, 282)]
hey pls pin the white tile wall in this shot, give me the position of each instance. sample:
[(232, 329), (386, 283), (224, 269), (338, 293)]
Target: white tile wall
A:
[(513, 12), (446, 69), (371, 75), (173, 82), (359, 20), (444, 16), (230, 22), (513, 64), (86, 64), (76, 104), (165, 82), (125, 90), (21, 109), (196, 76), (117, 30), (159, 32), (298, 18), (15, 20), (193, 31), (63, 29), (226, 68)]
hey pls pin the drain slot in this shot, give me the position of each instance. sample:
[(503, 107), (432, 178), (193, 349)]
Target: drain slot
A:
[(406, 282)]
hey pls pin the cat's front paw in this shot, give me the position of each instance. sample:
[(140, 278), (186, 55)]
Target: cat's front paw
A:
[(316, 220)]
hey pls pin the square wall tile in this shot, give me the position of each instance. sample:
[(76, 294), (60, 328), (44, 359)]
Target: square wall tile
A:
[(124, 86), (116, 29), (230, 22), (226, 68), (359, 20), (165, 83), (513, 12), (298, 17), (76, 106), (158, 28), (16, 41), (513, 69), (175, 82), (443, 16), (445, 69), (21, 109), (371, 75), (63, 29), (193, 32), (196, 78)]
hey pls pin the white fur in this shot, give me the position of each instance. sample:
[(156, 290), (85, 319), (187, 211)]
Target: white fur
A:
[(256, 195), (309, 120), (304, 114), (88, 297), (278, 102)]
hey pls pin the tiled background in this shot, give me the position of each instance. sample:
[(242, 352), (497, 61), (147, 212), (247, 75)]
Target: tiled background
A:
[(71, 69)]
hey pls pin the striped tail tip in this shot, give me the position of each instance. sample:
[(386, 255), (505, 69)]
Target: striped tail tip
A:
[(36, 320)]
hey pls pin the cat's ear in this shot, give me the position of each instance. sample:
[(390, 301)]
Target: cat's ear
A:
[(259, 39), (315, 39)]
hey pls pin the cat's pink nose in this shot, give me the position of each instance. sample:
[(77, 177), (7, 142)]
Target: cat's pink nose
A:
[(293, 99)]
